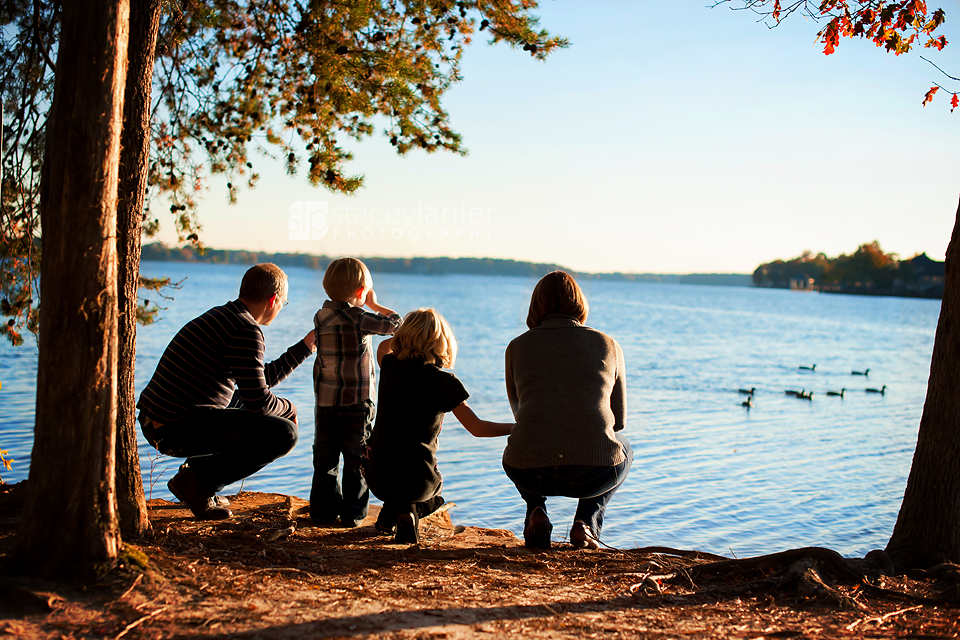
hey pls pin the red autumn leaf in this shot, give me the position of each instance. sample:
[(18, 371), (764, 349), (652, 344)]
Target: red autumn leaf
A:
[(929, 97), (954, 102)]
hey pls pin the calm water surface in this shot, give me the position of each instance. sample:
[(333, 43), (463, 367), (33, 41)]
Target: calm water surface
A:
[(708, 473)]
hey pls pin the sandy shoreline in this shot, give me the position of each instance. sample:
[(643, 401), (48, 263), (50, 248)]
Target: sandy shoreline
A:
[(267, 573)]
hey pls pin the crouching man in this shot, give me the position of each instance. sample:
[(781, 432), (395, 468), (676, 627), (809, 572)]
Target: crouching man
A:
[(210, 400)]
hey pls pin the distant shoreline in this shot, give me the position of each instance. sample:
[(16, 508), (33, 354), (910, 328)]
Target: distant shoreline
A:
[(432, 266)]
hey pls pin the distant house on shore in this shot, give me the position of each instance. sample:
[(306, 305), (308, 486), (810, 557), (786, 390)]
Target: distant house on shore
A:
[(929, 274), (803, 283)]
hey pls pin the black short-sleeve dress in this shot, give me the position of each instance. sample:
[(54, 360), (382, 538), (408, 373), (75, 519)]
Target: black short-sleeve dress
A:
[(413, 396)]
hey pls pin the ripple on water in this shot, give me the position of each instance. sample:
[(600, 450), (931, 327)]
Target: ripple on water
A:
[(707, 474)]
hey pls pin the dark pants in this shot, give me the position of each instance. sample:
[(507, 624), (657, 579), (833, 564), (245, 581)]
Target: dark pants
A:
[(340, 431), (594, 486), (223, 446)]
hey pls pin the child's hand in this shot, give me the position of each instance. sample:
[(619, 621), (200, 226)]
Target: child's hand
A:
[(371, 299)]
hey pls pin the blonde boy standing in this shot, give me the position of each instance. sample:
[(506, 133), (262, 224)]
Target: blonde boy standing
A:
[(343, 380)]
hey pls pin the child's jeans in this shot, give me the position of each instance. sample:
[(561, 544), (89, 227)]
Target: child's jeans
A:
[(340, 431)]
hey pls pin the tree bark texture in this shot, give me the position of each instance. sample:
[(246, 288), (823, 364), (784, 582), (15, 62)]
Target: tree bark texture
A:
[(69, 522), (928, 527), (134, 155)]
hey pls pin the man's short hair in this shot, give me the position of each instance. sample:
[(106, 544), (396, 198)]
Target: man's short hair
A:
[(263, 281), (343, 277)]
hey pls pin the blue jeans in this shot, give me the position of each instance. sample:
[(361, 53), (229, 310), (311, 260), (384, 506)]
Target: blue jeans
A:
[(223, 446), (340, 431), (594, 486)]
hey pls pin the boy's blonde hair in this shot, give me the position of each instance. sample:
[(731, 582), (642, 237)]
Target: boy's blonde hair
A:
[(344, 276), (426, 334)]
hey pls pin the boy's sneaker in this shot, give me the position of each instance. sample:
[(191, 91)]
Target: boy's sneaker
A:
[(324, 520)]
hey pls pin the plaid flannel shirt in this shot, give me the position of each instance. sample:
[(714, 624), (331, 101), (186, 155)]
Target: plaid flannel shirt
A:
[(343, 372)]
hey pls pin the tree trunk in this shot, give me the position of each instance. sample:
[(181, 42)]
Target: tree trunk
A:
[(134, 155), (928, 527), (69, 521)]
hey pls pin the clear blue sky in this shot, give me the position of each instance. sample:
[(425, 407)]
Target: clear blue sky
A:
[(669, 138)]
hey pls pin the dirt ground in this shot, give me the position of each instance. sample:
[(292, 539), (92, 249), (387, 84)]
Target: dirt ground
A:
[(268, 573)]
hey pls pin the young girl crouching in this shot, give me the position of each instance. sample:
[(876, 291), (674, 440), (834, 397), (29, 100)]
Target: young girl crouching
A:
[(415, 392)]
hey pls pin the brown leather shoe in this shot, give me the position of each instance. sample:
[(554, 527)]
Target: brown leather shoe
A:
[(185, 488)]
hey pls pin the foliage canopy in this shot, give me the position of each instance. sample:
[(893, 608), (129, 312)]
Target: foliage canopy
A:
[(285, 79)]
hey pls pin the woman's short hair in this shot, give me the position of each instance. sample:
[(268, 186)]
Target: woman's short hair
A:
[(557, 293), (344, 276), (426, 334), (263, 281)]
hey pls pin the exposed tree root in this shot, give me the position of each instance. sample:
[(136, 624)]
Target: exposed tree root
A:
[(810, 573)]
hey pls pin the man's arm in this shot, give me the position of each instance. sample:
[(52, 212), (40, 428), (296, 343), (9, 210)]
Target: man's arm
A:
[(244, 356), (275, 372)]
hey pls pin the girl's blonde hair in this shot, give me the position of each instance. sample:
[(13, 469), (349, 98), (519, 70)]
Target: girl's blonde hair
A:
[(426, 334)]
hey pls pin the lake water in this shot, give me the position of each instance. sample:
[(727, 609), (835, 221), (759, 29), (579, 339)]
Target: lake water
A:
[(708, 473)]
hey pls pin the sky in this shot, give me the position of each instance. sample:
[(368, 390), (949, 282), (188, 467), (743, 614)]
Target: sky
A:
[(670, 137)]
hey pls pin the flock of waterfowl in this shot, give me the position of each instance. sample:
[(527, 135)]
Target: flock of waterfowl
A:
[(803, 394)]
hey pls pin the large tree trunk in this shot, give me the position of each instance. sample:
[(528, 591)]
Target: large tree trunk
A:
[(69, 521), (144, 25), (928, 527)]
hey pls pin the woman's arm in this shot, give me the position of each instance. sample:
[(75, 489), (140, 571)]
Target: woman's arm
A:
[(480, 428), (511, 387), (618, 397), (385, 347)]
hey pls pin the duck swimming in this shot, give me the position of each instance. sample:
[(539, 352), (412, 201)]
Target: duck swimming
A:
[(881, 390)]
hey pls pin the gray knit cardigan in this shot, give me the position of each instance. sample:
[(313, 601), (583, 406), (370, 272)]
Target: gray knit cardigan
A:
[(567, 387)]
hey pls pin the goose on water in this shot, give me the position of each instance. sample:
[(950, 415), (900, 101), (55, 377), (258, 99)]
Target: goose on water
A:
[(792, 392), (881, 390), (806, 368), (865, 372), (748, 403), (749, 391), (837, 393)]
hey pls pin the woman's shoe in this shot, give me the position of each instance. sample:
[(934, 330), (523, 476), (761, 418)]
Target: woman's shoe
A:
[(582, 537), (536, 534), (408, 528)]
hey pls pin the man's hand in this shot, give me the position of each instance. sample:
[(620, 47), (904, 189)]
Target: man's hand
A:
[(311, 340)]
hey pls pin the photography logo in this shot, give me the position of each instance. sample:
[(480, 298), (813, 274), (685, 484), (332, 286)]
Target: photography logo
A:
[(308, 220)]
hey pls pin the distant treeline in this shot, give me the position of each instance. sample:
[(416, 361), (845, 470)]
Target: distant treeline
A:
[(428, 266), (868, 271)]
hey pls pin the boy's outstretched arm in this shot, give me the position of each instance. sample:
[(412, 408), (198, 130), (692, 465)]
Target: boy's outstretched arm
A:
[(480, 428), (371, 303)]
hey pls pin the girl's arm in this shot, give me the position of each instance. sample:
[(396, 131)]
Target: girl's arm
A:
[(480, 428), (385, 347)]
